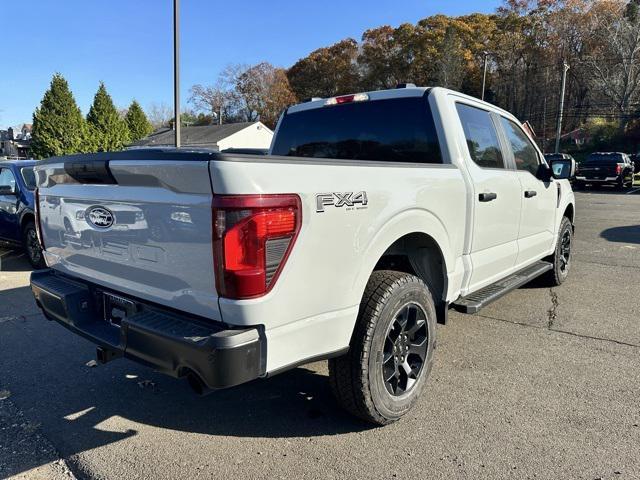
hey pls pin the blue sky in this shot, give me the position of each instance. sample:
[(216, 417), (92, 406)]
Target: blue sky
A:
[(128, 44)]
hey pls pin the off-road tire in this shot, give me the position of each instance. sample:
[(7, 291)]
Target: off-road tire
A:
[(356, 378), (558, 274), (630, 184), (31, 246)]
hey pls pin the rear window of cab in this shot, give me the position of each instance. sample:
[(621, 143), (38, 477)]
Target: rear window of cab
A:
[(392, 130), (611, 158)]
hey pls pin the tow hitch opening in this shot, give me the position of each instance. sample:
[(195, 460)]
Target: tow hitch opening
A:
[(104, 355)]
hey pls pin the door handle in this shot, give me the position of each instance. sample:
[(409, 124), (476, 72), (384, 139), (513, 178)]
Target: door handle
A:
[(487, 197), (530, 194)]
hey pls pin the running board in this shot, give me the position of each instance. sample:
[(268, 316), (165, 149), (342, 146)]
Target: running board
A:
[(477, 300)]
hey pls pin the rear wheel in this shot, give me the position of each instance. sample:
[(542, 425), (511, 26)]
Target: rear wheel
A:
[(630, 184), (391, 354), (561, 259), (32, 245)]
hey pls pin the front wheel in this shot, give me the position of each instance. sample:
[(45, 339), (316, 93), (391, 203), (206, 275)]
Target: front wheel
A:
[(391, 353), (561, 258), (32, 246)]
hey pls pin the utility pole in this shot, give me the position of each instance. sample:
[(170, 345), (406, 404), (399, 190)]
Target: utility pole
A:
[(176, 71), (544, 110), (484, 74), (565, 69)]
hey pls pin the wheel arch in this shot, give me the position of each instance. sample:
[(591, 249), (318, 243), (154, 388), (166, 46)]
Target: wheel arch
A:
[(419, 254), (27, 216), (417, 243), (569, 212)]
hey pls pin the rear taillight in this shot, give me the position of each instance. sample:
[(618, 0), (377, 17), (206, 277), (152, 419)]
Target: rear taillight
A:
[(36, 213), (618, 169), (252, 238)]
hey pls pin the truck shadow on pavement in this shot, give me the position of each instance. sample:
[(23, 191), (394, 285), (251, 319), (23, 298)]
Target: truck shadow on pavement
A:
[(627, 234), (606, 190), (81, 407), (13, 261)]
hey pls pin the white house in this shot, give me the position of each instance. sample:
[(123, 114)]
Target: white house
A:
[(253, 135)]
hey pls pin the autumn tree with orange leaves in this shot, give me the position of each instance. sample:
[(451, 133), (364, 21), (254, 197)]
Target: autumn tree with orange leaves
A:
[(525, 42)]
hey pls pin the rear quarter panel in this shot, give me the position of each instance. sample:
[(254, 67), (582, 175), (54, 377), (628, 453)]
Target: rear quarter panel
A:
[(312, 308)]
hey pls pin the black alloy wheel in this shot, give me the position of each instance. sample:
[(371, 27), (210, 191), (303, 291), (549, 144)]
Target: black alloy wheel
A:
[(405, 349)]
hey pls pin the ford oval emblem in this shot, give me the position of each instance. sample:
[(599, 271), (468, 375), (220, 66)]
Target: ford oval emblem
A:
[(100, 217)]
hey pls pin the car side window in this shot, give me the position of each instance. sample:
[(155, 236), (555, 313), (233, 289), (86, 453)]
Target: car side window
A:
[(6, 178), (481, 136), (524, 153)]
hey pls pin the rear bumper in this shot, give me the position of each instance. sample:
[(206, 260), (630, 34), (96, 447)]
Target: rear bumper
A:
[(171, 343), (586, 179)]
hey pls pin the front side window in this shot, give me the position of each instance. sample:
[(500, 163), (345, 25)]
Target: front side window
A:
[(524, 153), (481, 136)]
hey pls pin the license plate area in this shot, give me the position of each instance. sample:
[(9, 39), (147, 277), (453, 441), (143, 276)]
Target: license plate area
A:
[(117, 308)]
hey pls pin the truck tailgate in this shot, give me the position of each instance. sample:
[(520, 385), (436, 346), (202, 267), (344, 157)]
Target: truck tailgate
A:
[(598, 171), (139, 227)]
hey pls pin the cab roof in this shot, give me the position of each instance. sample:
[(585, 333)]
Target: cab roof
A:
[(18, 163), (401, 91)]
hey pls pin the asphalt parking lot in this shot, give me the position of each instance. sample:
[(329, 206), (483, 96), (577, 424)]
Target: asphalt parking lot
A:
[(543, 384)]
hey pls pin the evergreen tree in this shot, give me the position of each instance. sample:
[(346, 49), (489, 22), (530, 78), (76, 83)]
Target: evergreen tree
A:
[(137, 122), (632, 11), (58, 125), (107, 131)]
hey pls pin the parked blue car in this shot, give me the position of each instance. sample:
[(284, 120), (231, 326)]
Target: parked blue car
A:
[(17, 220)]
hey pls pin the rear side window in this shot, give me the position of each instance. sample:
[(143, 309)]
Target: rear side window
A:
[(481, 136), (524, 153), (394, 130), (29, 177)]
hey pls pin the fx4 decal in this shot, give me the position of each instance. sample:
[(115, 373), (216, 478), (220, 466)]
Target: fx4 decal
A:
[(341, 199)]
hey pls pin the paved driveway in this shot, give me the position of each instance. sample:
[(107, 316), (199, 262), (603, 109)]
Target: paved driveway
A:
[(544, 384)]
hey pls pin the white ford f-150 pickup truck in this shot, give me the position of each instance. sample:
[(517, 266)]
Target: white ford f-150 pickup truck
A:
[(372, 215)]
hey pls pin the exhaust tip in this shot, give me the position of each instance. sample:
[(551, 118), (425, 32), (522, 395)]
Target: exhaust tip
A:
[(197, 385)]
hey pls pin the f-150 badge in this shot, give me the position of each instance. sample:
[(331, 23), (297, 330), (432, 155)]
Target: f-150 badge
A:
[(347, 200)]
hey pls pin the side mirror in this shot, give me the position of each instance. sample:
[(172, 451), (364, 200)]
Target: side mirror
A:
[(544, 173), (7, 190), (563, 169)]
